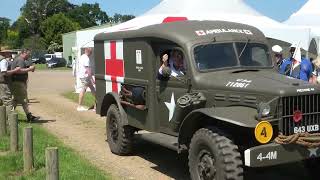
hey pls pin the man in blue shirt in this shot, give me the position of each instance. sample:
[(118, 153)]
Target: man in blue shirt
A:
[(294, 68)]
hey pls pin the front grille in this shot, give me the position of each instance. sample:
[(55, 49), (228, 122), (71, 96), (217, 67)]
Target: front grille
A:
[(308, 105)]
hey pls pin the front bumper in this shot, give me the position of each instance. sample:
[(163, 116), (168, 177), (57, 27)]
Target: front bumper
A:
[(275, 154)]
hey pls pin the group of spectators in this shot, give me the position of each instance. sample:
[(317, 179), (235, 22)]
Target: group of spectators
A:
[(13, 82), (296, 66)]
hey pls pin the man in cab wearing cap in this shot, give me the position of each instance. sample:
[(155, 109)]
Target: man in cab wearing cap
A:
[(296, 66)]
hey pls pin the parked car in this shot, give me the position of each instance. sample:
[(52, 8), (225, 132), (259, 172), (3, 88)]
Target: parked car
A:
[(39, 60), (49, 56), (56, 62)]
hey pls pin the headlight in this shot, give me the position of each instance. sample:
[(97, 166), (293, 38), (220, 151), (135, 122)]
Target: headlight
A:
[(263, 109)]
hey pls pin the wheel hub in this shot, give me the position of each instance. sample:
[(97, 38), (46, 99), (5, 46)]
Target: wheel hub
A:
[(206, 168)]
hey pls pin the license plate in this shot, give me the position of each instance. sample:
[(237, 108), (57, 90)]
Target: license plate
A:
[(307, 128)]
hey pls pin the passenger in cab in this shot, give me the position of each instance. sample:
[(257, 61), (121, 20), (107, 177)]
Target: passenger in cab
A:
[(175, 63)]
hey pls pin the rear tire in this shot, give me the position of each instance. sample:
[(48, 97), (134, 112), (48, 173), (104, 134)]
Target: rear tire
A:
[(214, 156), (119, 136)]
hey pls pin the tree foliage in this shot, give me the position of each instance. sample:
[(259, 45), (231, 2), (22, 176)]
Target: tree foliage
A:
[(34, 12), (56, 25), (12, 39), (4, 26), (44, 21), (35, 43), (118, 18), (23, 29), (88, 15), (54, 47)]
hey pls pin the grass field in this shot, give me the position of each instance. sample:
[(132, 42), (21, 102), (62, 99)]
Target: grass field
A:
[(42, 67), (71, 165), (88, 99)]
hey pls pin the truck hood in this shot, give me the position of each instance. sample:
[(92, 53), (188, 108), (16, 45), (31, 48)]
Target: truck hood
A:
[(255, 81)]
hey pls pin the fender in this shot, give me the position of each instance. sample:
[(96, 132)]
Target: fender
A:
[(113, 98), (236, 115)]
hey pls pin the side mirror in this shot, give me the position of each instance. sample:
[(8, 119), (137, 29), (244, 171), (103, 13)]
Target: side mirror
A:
[(166, 72)]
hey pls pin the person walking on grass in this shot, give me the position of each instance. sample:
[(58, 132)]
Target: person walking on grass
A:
[(19, 83), (85, 75)]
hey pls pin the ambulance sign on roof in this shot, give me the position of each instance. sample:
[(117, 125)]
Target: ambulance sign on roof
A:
[(218, 31)]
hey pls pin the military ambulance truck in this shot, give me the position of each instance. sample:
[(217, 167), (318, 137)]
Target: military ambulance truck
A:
[(229, 109)]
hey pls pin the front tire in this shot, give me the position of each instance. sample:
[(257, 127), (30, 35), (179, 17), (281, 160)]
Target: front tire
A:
[(213, 156), (313, 166), (119, 136)]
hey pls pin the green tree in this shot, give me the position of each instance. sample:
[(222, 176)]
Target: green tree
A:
[(12, 39), (118, 18), (54, 47), (34, 43), (23, 29), (88, 15), (34, 12), (4, 26), (56, 25)]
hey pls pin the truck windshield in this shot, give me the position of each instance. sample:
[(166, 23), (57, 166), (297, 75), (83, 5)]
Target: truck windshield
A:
[(214, 56)]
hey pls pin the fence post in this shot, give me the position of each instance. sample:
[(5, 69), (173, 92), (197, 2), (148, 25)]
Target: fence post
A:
[(27, 149), (52, 163), (8, 112), (13, 122), (3, 121)]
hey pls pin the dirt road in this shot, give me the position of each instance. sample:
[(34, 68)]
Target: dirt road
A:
[(85, 132)]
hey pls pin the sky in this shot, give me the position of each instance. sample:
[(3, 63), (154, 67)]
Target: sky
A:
[(279, 10)]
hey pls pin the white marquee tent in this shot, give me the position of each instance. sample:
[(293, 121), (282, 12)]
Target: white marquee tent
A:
[(308, 16), (231, 10)]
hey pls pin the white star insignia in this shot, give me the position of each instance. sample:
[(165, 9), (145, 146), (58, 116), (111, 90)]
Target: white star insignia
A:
[(313, 152), (171, 107)]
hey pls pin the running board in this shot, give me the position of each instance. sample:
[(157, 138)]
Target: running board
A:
[(168, 141)]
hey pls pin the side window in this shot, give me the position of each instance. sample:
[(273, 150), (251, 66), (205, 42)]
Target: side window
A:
[(172, 64), (133, 96)]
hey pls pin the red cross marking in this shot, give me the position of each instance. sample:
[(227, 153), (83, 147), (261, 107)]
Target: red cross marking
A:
[(114, 66)]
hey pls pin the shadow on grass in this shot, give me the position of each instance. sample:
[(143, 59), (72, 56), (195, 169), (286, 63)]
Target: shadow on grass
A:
[(41, 121)]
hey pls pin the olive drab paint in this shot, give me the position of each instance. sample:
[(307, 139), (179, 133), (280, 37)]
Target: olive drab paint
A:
[(229, 99)]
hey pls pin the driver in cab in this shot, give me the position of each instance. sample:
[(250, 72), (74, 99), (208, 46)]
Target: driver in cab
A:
[(175, 64)]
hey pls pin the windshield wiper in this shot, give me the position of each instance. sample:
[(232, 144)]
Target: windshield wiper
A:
[(243, 49), (245, 70)]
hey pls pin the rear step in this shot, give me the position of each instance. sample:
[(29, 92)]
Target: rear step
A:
[(168, 141)]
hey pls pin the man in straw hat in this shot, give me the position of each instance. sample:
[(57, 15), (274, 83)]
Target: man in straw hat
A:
[(5, 81)]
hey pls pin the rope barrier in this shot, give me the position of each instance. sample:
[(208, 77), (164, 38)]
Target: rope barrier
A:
[(304, 139)]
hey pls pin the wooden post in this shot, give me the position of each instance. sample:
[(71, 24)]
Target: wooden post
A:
[(52, 163), (8, 112), (27, 149), (3, 121), (13, 119)]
